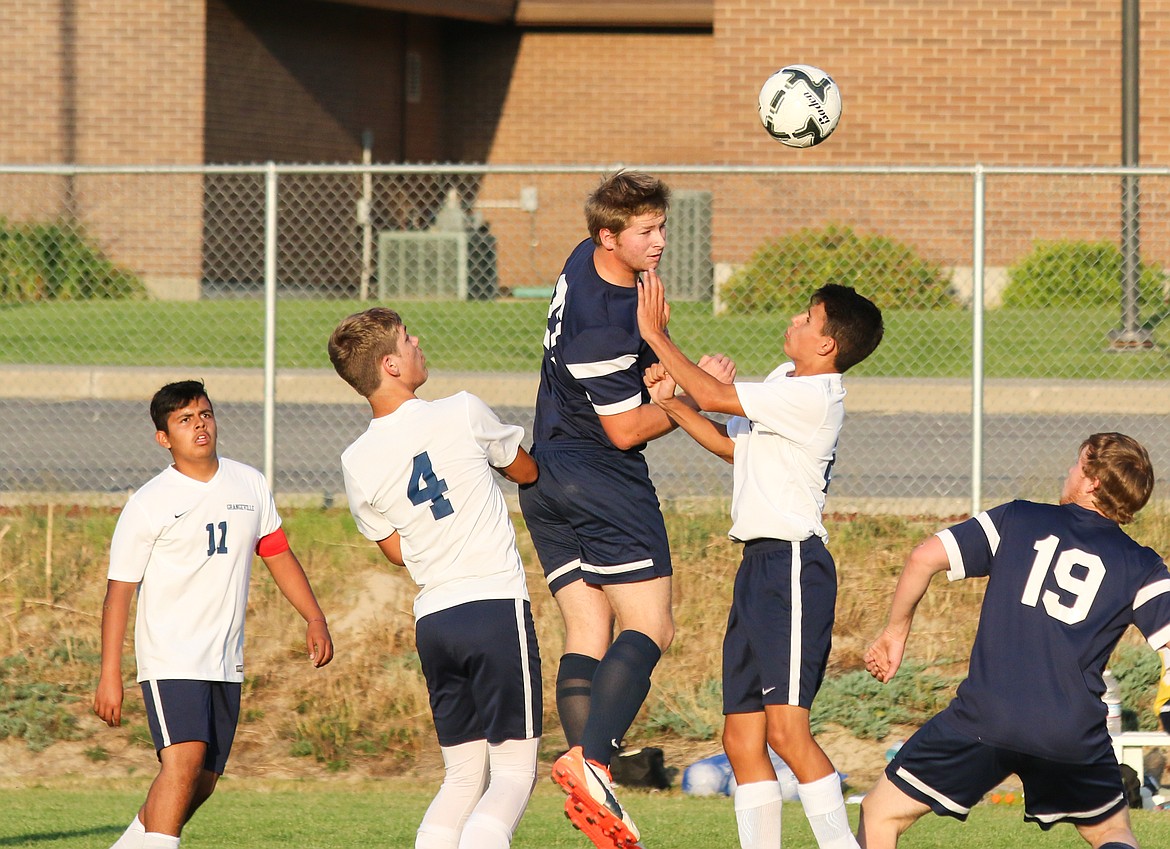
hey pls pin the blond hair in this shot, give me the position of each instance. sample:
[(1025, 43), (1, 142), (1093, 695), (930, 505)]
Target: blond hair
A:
[(1123, 471), (620, 197), (358, 345)]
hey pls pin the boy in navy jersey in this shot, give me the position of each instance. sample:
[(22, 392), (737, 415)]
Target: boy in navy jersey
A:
[(593, 513), (184, 544), (1064, 582), (782, 440)]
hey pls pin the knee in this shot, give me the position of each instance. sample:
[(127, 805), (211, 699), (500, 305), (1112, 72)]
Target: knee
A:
[(665, 635), (787, 739), (518, 782), (205, 786), (737, 744)]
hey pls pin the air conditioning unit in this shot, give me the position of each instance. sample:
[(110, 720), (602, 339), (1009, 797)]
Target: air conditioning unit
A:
[(422, 264), (686, 267)]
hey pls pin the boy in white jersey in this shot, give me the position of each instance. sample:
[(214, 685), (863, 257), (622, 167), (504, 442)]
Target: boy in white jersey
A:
[(184, 543), (782, 440), (420, 485)]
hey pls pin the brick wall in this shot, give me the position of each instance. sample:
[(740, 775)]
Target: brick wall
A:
[(944, 81), (299, 82), (575, 97), (941, 82), (95, 83), (924, 82)]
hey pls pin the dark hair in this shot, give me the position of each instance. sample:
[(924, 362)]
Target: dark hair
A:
[(623, 196), (1123, 471), (172, 397), (359, 344), (853, 321)]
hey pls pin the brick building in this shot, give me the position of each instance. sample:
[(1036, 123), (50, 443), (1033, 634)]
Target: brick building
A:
[(926, 82)]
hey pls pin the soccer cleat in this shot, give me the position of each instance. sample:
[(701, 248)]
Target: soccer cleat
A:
[(592, 806)]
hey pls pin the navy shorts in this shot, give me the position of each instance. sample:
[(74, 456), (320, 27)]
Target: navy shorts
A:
[(780, 628), (593, 515), (182, 711), (482, 667), (949, 771)]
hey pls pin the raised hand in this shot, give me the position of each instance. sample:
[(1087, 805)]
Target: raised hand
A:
[(653, 310), (719, 366), (661, 385)]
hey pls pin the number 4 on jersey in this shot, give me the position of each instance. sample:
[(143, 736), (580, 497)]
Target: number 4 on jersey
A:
[(424, 487)]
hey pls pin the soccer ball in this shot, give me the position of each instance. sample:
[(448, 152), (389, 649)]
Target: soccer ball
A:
[(800, 105)]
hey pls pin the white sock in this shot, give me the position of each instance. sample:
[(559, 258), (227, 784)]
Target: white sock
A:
[(512, 776), (132, 837), (758, 807), (431, 836), (483, 831), (825, 808), (464, 780), (158, 840)]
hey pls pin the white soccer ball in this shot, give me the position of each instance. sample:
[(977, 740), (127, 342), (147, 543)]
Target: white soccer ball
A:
[(800, 105)]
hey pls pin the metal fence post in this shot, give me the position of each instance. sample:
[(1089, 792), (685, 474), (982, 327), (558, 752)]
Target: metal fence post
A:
[(270, 324), (977, 258)]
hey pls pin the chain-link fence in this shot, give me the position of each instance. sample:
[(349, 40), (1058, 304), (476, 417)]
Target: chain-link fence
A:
[(1023, 310)]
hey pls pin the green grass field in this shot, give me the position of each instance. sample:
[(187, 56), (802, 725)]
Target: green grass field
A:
[(505, 336), (262, 814)]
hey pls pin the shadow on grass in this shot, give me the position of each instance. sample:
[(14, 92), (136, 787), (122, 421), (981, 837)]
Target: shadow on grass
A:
[(44, 837)]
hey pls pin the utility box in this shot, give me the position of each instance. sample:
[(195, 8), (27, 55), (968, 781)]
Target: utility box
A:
[(686, 267), (425, 264)]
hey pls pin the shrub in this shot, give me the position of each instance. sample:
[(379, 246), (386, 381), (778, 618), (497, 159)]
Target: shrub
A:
[(1075, 274), (53, 262), (783, 274), (1137, 669), (36, 712), (867, 708)]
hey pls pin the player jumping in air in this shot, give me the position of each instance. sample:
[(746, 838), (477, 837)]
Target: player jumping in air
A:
[(1064, 583), (782, 441), (593, 514)]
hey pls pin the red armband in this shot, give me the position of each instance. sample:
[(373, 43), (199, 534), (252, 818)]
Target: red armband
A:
[(275, 543)]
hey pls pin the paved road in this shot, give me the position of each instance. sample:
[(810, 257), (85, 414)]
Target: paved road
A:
[(923, 461)]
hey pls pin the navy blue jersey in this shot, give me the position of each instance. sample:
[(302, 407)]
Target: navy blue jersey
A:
[(1064, 584), (594, 355)]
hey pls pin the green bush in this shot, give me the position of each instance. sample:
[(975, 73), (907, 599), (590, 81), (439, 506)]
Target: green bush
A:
[(1076, 274), (783, 274), (35, 711), (1137, 669), (867, 708), (41, 262)]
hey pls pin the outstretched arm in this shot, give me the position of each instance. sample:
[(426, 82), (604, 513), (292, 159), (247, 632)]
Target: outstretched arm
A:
[(711, 435), (884, 655), (709, 392), (294, 584), (107, 701), (649, 421), (633, 427)]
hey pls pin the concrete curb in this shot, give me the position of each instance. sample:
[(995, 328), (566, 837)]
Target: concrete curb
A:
[(879, 395)]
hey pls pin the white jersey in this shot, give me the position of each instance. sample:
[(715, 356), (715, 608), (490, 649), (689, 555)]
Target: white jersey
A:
[(189, 547), (425, 471), (784, 451)]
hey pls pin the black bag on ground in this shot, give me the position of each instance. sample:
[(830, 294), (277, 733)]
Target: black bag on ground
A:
[(643, 767), (1133, 786)]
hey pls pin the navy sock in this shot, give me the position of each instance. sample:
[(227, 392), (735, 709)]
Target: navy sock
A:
[(620, 685), (1113, 844), (574, 686)]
